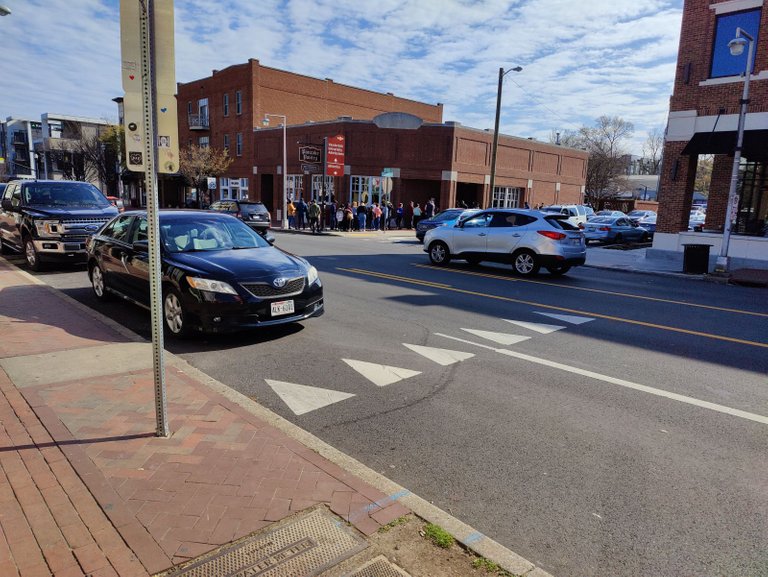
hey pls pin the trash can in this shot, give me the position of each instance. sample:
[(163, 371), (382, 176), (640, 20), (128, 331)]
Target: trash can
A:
[(696, 258)]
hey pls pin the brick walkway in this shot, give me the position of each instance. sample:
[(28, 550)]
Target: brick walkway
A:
[(87, 489)]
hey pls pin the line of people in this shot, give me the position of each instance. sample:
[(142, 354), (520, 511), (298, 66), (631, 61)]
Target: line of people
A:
[(353, 217)]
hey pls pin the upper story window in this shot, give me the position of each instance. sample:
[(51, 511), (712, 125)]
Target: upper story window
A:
[(226, 105), (203, 142), (238, 102), (723, 63), (239, 144), (226, 142)]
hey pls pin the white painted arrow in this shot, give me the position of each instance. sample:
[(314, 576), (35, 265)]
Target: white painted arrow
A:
[(538, 327), (572, 319), (440, 356), (501, 338), (380, 375), (304, 399)]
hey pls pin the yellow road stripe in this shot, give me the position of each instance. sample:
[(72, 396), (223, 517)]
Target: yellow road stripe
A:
[(557, 308), (600, 291)]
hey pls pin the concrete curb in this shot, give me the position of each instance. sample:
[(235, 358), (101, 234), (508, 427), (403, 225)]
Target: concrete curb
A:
[(467, 535), (631, 269)]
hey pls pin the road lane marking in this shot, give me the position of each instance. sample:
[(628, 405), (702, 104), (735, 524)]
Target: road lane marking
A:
[(442, 357), (303, 399), (594, 290), (621, 382), (501, 338), (557, 308), (536, 327), (566, 318), (380, 375)]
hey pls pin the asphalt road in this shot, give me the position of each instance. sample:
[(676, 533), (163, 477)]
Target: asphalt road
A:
[(627, 438)]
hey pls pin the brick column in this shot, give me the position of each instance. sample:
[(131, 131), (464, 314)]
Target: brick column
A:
[(717, 202), (678, 179)]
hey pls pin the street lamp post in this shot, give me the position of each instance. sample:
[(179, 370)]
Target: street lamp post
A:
[(736, 46), (495, 147), (285, 165)]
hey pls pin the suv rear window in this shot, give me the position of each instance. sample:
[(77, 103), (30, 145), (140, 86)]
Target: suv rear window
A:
[(561, 222), (252, 207)]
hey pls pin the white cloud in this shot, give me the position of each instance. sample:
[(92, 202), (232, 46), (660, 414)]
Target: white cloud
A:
[(581, 60)]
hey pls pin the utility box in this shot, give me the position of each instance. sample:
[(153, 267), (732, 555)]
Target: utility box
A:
[(696, 258)]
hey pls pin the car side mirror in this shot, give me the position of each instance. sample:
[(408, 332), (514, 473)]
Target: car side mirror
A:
[(141, 246), (7, 204), (269, 238)]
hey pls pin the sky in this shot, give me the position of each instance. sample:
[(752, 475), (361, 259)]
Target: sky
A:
[(581, 59)]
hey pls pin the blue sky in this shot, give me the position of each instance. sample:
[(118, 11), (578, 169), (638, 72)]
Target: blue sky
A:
[(580, 59)]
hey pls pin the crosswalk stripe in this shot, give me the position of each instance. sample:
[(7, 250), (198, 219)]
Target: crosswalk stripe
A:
[(538, 327), (440, 356), (380, 375), (501, 338), (572, 319), (304, 399)]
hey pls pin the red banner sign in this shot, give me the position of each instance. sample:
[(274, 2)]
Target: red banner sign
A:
[(334, 156)]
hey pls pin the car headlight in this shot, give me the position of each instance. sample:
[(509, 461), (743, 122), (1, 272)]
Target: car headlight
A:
[(49, 228), (210, 285), (312, 275)]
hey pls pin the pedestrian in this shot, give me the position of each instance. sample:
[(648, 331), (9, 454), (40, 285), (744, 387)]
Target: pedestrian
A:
[(314, 217), (348, 218), (339, 216), (362, 215), (376, 213), (385, 215), (399, 212), (429, 208), (409, 215), (416, 215), (301, 214), (290, 210)]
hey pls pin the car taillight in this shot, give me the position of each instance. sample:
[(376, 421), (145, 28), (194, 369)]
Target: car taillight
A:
[(552, 234), (605, 228)]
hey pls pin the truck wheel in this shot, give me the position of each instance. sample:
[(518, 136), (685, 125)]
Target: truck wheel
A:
[(30, 253)]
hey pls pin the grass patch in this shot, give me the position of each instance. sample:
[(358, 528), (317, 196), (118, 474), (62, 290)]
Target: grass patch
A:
[(438, 536), (490, 567), (392, 524)]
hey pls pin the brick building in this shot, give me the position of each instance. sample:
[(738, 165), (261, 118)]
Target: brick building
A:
[(427, 158), (703, 120)]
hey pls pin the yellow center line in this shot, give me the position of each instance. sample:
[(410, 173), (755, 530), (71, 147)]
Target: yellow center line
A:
[(593, 290), (554, 307)]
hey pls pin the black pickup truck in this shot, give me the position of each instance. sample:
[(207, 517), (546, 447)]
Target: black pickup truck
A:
[(50, 220)]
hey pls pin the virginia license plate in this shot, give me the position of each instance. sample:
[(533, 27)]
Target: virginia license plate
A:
[(282, 308)]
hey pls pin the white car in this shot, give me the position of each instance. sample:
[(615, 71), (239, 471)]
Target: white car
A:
[(577, 213), (526, 239)]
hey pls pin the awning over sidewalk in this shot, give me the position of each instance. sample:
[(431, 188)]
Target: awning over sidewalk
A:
[(755, 145)]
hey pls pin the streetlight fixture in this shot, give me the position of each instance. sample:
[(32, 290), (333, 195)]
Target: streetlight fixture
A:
[(736, 46), (502, 74), (285, 164)]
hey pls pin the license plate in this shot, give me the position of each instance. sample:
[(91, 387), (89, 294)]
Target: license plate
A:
[(576, 241), (282, 308)]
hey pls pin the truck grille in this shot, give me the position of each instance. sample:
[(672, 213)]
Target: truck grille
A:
[(81, 226), (267, 290)]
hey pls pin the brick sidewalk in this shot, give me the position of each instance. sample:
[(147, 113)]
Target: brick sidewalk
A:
[(86, 487)]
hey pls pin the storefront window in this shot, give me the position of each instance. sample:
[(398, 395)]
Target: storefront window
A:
[(367, 190), (506, 197), (295, 186), (752, 219), (317, 188)]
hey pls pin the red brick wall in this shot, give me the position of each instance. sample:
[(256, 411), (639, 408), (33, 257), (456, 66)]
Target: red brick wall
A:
[(718, 195), (678, 176)]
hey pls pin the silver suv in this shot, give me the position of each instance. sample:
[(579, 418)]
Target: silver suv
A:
[(526, 239)]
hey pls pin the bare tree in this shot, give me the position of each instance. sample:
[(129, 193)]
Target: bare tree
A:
[(704, 174), (197, 163), (89, 154), (652, 148)]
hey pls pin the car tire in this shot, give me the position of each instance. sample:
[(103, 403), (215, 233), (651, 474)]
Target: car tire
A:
[(559, 270), (31, 255), (525, 263), (439, 254), (175, 319), (99, 284)]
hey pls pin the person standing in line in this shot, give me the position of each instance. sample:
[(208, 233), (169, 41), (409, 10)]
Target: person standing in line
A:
[(362, 215), (429, 208), (376, 213), (290, 210), (399, 212), (314, 217), (348, 217), (301, 214), (416, 215), (409, 215), (385, 215)]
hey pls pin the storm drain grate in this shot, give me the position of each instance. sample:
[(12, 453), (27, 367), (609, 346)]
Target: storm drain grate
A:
[(378, 567), (302, 547)]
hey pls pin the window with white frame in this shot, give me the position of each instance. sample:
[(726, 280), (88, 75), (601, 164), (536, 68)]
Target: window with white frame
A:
[(317, 188), (294, 186), (238, 102), (226, 105), (233, 188), (204, 141), (506, 197), (239, 144), (226, 142)]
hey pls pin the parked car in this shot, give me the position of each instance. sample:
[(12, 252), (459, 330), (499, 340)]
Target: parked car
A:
[(611, 213), (252, 213), (696, 220), (576, 213), (217, 273), (50, 220), (649, 224), (447, 217), (117, 202), (637, 215), (526, 239), (611, 229)]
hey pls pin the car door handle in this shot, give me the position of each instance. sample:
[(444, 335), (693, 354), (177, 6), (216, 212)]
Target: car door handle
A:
[(516, 235), (481, 234)]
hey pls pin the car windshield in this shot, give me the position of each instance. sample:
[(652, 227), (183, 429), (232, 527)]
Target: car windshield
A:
[(449, 214), (252, 207), (64, 194), (208, 234)]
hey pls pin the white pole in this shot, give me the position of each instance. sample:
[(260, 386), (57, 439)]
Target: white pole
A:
[(285, 173)]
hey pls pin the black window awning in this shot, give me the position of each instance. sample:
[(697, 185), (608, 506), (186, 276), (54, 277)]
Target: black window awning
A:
[(755, 145)]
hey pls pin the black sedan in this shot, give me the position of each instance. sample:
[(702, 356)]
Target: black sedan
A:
[(218, 274)]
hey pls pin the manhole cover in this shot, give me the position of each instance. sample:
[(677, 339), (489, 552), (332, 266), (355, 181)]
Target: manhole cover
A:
[(301, 547), (378, 567)]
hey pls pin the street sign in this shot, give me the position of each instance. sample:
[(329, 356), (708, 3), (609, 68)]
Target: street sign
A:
[(334, 156), (310, 154), (211, 183), (386, 185), (733, 209), (388, 172), (310, 168)]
